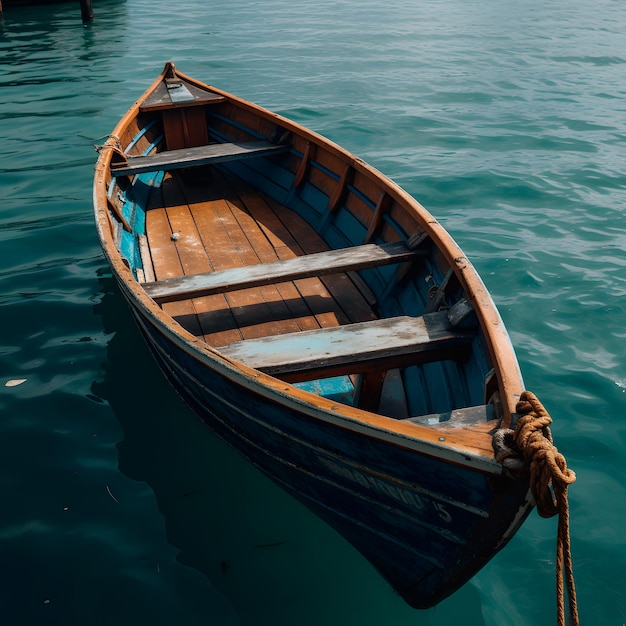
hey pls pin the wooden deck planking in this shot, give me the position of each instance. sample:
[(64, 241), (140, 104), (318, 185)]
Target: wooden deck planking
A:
[(270, 315), (312, 306), (336, 291), (193, 256), (214, 315), (281, 244), (165, 260), (249, 308), (235, 227), (219, 322), (265, 252), (260, 311), (352, 302)]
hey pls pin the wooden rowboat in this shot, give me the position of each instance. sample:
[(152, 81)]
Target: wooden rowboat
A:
[(321, 321)]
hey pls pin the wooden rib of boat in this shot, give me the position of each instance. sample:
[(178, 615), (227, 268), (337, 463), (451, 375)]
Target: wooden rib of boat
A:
[(321, 321)]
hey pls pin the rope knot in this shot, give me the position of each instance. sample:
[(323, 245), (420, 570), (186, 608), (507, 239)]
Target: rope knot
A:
[(549, 474), (530, 447)]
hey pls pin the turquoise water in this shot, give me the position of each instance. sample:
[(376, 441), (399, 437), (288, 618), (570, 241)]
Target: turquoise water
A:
[(506, 119)]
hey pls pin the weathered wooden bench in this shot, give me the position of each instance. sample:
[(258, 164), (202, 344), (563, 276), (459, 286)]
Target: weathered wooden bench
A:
[(320, 264), (193, 157), (355, 348)]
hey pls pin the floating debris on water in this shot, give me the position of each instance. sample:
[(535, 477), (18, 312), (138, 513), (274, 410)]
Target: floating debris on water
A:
[(15, 382)]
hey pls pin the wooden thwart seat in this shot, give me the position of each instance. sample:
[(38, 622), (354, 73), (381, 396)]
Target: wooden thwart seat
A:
[(320, 264), (192, 157), (355, 348)]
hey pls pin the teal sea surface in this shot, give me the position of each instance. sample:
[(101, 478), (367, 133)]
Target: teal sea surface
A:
[(506, 119)]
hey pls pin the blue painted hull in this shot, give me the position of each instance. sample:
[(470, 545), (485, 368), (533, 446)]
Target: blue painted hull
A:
[(426, 525)]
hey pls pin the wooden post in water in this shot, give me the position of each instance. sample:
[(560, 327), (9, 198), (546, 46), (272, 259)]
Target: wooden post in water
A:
[(86, 10)]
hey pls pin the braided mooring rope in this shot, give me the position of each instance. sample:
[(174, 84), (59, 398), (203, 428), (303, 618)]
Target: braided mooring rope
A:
[(530, 447)]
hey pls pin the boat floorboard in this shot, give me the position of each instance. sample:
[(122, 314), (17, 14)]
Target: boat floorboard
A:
[(190, 232)]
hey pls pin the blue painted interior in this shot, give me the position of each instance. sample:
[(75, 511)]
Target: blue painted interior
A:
[(338, 388)]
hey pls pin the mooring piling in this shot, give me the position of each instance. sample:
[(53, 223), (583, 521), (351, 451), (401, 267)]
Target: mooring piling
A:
[(86, 8)]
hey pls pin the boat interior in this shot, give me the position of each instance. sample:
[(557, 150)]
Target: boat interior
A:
[(286, 257)]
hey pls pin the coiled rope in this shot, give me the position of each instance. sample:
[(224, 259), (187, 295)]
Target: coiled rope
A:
[(530, 447)]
